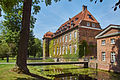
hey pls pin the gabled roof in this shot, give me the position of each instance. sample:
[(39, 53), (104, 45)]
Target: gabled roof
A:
[(100, 35), (83, 15)]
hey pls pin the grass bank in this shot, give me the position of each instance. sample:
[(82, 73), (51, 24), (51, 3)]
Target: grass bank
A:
[(50, 71)]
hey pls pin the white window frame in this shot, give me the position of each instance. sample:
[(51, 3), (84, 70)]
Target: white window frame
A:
[(54, 51), (66, 38), (103, 56), (75, 48), (70, 49), (57, 50), (103, 42), (113, 57), (63, 50), (93, 24), (70, 37), (112, 41), (54, 42), (75, 35), (60, 39), (60, 50), (63, 38), (88, 23)]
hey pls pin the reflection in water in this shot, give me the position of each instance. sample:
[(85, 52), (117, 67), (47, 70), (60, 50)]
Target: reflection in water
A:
[(80, 74), (73, 77)]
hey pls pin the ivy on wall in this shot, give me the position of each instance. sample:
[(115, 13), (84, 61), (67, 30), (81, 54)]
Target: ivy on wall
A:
[(53, 47)]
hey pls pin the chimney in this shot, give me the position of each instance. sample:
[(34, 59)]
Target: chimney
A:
[(84, 7)]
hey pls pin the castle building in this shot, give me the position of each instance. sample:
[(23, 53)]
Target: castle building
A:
[(69, 36), (108, 48)]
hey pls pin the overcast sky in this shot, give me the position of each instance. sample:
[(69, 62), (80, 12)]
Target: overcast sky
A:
[(51, 17)]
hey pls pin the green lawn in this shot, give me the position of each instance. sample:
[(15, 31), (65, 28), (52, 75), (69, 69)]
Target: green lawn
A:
[(7, 74)]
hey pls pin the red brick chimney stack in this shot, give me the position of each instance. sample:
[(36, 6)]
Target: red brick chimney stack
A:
[(84, 7)]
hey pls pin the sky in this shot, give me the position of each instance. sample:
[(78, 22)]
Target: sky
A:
[(50, 18)]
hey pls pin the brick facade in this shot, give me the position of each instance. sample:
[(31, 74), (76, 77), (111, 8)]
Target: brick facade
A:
[(111, 32), (86, 28)]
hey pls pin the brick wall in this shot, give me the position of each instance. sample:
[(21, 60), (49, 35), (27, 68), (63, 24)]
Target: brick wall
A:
[(89, 36), (108, 48)]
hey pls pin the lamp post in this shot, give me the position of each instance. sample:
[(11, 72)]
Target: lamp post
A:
[(84, 54), (84, 51)]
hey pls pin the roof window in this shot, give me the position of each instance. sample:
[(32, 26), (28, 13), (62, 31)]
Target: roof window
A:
[(90, 16), (76, 19)]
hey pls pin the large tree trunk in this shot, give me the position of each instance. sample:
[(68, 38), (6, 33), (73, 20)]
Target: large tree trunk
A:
[(21, 62)]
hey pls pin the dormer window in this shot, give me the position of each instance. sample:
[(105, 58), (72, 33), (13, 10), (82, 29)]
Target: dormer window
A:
[(62, 27), (93, 24), (90, 16), (76, 19), (88, 24), (68, 24)]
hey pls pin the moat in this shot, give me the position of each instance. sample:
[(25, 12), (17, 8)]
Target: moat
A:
[(70, 72)]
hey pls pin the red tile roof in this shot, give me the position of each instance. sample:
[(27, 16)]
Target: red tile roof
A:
[(83, 15), (48, 35)]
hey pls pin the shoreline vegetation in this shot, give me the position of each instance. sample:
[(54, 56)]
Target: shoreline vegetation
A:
[(51, 71)]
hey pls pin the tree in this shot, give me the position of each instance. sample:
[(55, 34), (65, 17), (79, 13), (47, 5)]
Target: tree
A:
[(4, 50), (24, 34), (11, 26), (117, 4), (38, 46)]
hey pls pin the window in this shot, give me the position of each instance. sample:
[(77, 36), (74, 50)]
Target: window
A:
[(57, 50), (63, 38), (70, 36), (54, 42), (72, 25), (68, 24), (72, 22), (66, 49), (70, 49), (60, 50), (63, 50), (112, 41), (103, 42), (54, 51), (90, 16), (76, 19), (75, 49), (113, 57), (88, 24), (75, 34), (66, 38), (103, 56), (93, 24), (60, 40)]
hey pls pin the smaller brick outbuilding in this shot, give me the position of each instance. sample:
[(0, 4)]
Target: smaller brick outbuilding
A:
[(108, 48)]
